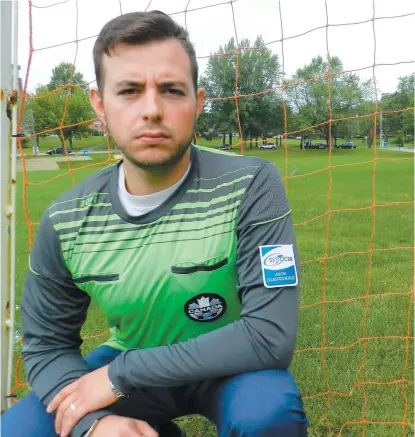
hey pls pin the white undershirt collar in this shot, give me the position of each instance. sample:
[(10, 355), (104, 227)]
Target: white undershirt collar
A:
[(139, 205)]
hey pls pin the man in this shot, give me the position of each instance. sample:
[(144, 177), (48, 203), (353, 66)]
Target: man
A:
[(189, 252)]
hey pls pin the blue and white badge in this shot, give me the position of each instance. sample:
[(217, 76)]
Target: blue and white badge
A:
[(278, 265)]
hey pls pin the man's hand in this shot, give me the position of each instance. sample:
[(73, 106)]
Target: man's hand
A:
[(89, 393), (118, 426)]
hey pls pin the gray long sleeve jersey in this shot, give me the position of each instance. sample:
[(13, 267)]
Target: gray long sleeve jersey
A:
[(204, 286)]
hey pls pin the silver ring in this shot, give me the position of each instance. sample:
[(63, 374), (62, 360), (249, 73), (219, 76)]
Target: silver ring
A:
[(72, 407)]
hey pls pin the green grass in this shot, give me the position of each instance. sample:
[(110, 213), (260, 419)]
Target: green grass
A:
[(99, 143), (52, 141), (357, 287)]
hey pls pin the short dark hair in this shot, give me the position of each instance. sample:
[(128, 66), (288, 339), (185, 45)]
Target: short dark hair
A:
[(140, 28)]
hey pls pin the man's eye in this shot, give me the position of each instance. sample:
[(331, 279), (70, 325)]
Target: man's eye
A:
[(128, 92), (175, 91)]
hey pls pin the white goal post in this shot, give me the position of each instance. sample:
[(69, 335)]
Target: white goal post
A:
[(8, 151)]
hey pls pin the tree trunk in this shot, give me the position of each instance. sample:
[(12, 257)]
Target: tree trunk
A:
[(242, 137), (230, 139), (70, 141), (328, 136), (370, 139), (335, 135), (250, 142), (223, 138), (37, 140), (328, 139)]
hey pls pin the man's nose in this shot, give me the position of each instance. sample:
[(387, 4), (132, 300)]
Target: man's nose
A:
[(151, 109)]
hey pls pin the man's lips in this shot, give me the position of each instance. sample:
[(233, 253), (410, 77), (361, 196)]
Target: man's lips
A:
[(152, 137), (155, 134)]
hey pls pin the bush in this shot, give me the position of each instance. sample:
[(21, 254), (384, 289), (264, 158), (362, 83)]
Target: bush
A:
[(399, 138), (94, 132), (25, 143)]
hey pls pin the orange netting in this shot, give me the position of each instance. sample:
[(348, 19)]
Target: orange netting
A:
[(362, 383)]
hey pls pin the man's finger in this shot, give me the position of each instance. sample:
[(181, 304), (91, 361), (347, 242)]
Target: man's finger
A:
[(70, 419), (57, 400), (65, 407), (146, 430)]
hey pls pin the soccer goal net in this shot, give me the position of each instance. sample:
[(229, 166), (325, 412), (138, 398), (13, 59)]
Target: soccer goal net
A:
[(324, 90)]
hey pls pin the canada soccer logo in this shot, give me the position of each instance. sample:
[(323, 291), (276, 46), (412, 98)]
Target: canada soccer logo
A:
[(205, 307)]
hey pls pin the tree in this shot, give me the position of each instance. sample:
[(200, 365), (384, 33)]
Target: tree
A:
[(402, 98), (364, 127), (39, 112), (79, 110), (258, 70), (308, 94), (205, 125), (400, 138), (61, 76), (47, 105)]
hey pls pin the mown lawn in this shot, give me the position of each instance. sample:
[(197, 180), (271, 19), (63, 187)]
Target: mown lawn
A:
[(353, 215)]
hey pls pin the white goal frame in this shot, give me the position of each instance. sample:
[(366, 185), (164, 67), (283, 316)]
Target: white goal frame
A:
[(8, 155)]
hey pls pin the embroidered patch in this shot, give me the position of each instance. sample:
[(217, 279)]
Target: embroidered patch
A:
[(90, 200), (205, 307), (278, 266)]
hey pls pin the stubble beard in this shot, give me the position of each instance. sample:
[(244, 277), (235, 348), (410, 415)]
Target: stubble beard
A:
[(163, 166)]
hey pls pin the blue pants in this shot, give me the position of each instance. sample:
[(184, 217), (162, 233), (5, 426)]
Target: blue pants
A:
[(257, 404)]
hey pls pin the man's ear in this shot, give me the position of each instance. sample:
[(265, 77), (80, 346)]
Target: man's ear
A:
[(97, 103), (200, 100)]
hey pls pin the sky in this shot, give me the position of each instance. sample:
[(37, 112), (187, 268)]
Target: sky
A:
[(57, 22)]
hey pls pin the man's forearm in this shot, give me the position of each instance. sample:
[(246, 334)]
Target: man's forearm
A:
[(263, 338), (240, 347), (51, 350), (45, 369)]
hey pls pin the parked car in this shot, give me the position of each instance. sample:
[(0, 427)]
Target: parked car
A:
[(348, 145), (268, 146), (57, 151), (319, 146), (310, 145), (224, 147)]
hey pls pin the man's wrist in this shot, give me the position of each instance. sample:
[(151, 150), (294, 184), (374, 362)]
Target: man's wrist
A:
[(91, 430), (117, 392), (83, 427), (117, 377)]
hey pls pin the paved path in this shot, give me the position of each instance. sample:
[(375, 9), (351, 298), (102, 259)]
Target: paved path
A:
[(37, 164), (397, 149)]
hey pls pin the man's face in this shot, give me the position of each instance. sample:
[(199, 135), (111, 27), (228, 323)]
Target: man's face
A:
[(148, 102)]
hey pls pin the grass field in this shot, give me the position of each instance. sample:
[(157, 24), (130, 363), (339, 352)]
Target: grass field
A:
[(52, 141), (329, 272)]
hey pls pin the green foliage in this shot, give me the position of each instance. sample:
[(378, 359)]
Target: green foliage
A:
[(399, 138), (258, 70), (403, 98), (61, 77), (318, 92), (50, 107), (25, 143)]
